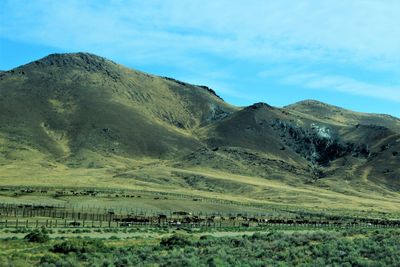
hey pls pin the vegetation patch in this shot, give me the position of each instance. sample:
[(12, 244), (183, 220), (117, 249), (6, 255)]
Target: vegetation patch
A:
[(80, 246), (352, 247), (38, 236)]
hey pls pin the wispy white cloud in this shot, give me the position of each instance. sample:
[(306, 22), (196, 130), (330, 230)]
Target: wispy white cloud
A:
[(343, 84), (221, 82), (344, 31)]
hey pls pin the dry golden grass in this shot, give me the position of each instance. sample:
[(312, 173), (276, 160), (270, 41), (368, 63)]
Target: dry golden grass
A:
[(222, 185)]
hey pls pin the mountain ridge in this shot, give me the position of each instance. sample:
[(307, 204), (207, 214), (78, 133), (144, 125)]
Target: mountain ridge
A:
[(62, 59)]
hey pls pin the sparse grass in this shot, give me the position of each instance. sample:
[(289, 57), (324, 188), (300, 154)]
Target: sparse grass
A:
[(219, 185)]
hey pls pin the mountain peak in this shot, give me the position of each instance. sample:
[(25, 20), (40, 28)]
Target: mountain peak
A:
[(310, 102), (80, 59), (260, 105)]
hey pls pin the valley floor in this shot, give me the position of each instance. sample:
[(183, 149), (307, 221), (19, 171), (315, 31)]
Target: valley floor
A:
[(127, 217), (157, 187)]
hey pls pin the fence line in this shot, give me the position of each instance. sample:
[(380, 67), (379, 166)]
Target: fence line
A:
[(73, 224), (108, 217)]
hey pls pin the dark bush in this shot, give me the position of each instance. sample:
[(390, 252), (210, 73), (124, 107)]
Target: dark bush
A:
[(80, 246), (207, 237), (55, 261), (37, 236), (176, 240)]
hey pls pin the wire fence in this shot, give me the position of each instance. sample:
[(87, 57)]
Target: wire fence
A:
[(34, 216), (216, 224)]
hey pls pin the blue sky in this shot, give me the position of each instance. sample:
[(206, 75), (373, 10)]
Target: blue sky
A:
[(345, 53)]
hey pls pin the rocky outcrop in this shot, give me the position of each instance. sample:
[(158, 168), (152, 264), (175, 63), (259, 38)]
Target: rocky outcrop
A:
[(318, 143)]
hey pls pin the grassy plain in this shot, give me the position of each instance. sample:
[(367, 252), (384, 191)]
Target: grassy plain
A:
[(192, 189)]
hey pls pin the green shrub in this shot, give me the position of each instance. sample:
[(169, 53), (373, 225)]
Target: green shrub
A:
[(207, 237), (37, 236), (49, 260), (176, 240), (80, 246)]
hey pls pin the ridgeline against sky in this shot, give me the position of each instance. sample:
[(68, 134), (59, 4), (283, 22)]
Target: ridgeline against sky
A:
[(343, 53)]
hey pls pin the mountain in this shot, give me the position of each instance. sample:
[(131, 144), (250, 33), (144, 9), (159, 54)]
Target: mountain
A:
[(81, 115), (64, 105)]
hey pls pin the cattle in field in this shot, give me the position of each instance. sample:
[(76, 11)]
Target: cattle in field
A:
[(174, 223), (75, 224), (181, 213), (197, 219), (134, 219), (187, 219), (162, 217), (276, 221)]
